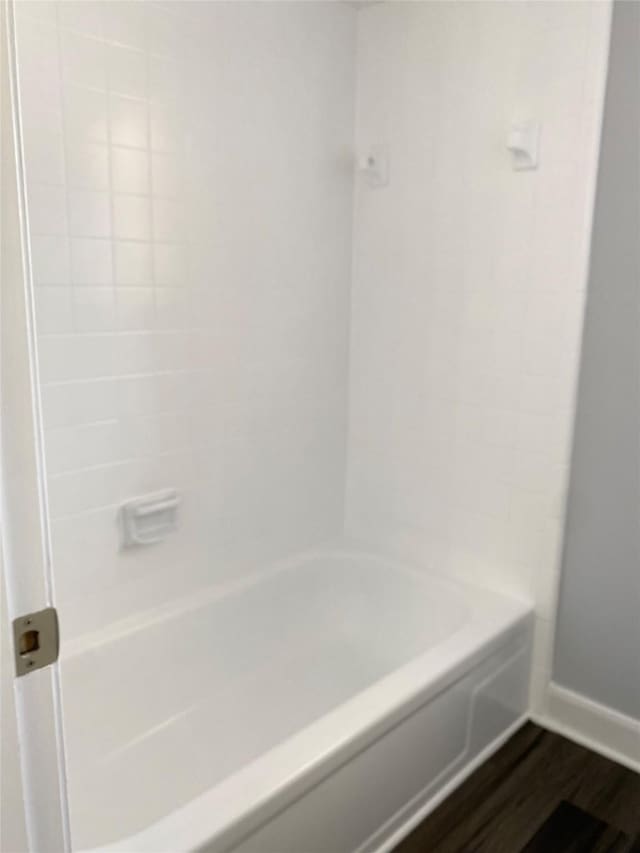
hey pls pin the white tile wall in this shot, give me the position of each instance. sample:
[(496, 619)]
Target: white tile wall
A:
[(191, 256), (190, 211), (468, 286)]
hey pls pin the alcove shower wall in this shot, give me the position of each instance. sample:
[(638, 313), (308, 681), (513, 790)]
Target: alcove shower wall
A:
[(190, 203), (469, 284), (206, 321)]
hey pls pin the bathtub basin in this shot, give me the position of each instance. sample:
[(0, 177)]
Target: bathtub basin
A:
[(271, 717)]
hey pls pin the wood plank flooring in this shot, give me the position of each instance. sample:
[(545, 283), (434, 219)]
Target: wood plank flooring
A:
[(537, 778)]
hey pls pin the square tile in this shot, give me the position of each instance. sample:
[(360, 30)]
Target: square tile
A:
[(88, 166), (131, 217), (170, 264), (133, 262), (47, 206), (130, 170), (136, 309), (89, 214), (91, 261), (53, 309), (83, 60), (50, 259), (94, 309), (86, 17), (129, 122), (44, 157), (127, 71), (85, 115)]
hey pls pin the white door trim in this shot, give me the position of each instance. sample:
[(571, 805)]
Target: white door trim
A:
[(25, 539)]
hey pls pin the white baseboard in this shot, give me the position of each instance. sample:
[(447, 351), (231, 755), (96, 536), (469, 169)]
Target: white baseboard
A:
[(590, 724)]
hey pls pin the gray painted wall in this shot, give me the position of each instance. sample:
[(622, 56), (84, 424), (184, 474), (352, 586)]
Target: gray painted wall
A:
[(598, 634)]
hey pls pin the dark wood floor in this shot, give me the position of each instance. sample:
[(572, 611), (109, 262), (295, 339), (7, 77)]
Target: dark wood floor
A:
[(539, 794)]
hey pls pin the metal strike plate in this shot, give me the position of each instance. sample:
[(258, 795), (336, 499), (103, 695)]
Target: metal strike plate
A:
[(36, 640)]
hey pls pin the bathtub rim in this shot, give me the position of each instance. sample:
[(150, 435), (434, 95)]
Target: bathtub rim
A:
[(232, 809)]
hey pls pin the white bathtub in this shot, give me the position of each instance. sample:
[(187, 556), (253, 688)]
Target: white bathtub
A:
[(322, 708)]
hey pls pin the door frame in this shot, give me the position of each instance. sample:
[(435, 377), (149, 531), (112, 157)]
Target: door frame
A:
[(24, 521)]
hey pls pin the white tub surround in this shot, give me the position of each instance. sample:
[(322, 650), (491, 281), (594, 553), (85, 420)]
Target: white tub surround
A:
[(294, 695), (230, 312)]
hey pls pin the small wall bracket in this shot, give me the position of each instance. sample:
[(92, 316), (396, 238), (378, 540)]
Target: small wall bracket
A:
[(523, 142), (373, 164)]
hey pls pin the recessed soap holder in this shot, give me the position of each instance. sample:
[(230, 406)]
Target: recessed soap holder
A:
[(149, 519)]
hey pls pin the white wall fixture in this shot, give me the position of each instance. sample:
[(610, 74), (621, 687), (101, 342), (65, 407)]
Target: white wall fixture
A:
[(373, 163), (523, 142), (149, 519)]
